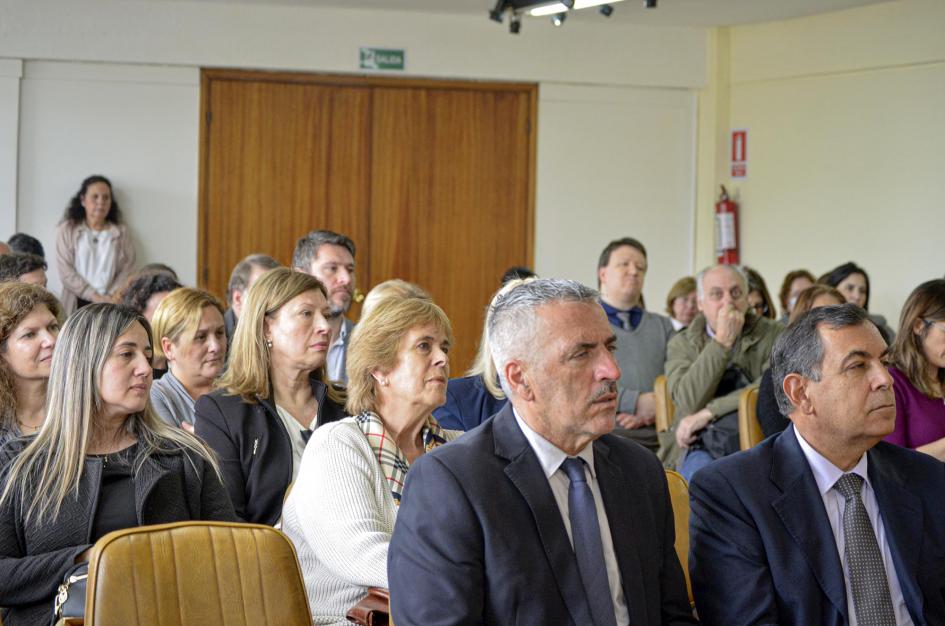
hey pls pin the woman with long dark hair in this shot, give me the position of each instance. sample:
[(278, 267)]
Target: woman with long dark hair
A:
[(94, 251), (918, 371)]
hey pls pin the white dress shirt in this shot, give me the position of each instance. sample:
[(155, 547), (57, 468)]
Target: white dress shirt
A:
[(551, 457), (95, 257), (294, 429), (827, 474), (335, 360)]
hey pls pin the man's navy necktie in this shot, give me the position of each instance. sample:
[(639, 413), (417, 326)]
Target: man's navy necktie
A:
[(585, 534)]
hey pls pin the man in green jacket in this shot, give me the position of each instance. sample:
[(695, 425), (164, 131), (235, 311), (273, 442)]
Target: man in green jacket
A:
[(708, 363)]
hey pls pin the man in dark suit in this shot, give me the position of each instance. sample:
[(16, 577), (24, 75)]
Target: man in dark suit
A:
[(540, 516), (824, 523)]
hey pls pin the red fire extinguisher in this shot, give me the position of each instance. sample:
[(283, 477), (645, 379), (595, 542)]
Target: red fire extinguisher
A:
[(726, 229)]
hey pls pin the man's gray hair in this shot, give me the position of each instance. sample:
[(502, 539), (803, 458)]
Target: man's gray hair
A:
[(306, 249), (800, 349), (512, 322), (738, 269)]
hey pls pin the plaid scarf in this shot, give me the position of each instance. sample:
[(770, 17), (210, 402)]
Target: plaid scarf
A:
[(392, 460)]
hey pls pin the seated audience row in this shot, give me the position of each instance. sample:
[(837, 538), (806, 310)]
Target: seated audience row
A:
[(101, 461)]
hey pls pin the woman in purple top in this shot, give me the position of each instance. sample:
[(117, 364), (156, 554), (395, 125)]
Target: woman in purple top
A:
[(918, 371)]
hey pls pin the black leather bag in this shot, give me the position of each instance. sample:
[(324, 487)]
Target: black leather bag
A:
[(720, 438), (70, 598)]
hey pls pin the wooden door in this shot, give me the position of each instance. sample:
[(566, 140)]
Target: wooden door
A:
[(433, 180), (281, 159), (451, 185)]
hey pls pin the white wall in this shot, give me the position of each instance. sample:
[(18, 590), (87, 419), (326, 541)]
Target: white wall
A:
[(615, 94), (10, 72), (845, 145), (615, 162), (138, 125)]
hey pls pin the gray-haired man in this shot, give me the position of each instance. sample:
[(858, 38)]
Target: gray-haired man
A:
[(540, 516), (824, 523), (725, 348), (329, 257)]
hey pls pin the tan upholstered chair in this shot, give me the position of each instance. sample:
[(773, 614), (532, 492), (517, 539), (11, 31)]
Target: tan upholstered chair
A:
[(679, 495), (749, 430), (665, 410), (196, 573)]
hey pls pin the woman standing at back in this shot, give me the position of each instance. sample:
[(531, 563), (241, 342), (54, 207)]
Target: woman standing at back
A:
[(94, 251)]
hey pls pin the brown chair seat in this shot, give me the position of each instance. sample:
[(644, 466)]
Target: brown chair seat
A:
[(195, 574)]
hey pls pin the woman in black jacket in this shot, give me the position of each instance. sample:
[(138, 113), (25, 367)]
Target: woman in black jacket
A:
[(273, 393), (102, 461)]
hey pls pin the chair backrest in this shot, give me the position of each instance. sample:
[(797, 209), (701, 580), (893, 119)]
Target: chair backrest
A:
[(679, 496), (195, 573), (749, 430), (665, 410)]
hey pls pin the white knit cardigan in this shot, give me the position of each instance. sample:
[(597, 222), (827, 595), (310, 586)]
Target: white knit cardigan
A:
[(340, 516)]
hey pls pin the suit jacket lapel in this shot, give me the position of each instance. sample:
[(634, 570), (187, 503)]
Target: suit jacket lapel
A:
[(801, 510), (901, 511), (526, 474), (624, 526)]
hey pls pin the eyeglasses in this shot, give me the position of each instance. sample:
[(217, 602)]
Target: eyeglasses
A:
[(938, 325), (761, 308)]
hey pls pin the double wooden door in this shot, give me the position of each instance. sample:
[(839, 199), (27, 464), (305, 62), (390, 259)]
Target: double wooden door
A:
[(433, 180)]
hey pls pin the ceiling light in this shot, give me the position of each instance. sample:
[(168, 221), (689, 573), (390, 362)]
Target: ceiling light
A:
[(548, 9), (650, 4), (606, 10), (560, 7), (558, 18)]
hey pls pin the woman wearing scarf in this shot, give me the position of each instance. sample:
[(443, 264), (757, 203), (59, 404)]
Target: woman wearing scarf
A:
[(341, 511)]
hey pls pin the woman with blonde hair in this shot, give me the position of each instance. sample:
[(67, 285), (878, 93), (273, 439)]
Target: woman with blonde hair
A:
[(190, 335), (477, 396), (273, 394), (918, 371), (29, 324), (681, 303), (102, 461), (393, 288), (341, 511)]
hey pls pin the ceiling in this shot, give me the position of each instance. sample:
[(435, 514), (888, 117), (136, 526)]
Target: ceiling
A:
[(669, 12)]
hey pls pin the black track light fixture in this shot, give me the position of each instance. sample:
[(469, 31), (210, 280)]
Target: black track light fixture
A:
[(558, 18), (650, 4), (515, 23), (606, 10)]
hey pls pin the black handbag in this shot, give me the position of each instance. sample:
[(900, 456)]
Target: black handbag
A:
[(70, 598), (720, 437)]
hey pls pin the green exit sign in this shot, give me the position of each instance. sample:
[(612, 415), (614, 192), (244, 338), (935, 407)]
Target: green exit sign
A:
[(381, 59)]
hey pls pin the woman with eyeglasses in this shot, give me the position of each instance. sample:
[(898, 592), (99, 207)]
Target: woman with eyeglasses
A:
[(918, 371), (759, 300)]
